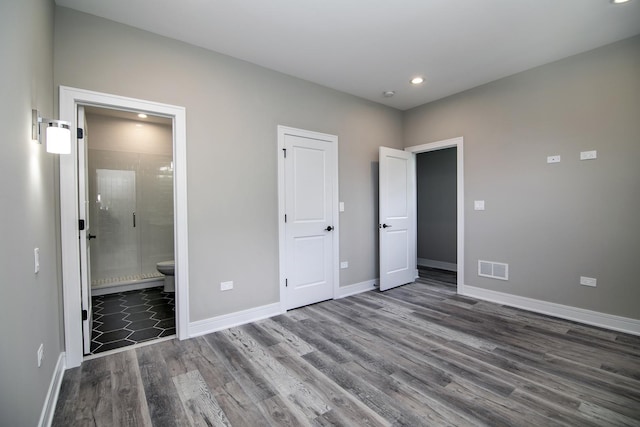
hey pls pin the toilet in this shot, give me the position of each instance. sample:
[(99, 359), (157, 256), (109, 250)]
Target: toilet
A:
[(168, 268)]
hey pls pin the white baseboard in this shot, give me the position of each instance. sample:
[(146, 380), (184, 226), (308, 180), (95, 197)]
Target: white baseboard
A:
[(218, 323), (595, 318), (449, 266), (214, 324), (46, 417), (356, 288)]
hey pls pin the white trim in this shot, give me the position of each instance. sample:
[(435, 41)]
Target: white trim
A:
[(594, 318), (357, 288), (50, 401), (333, 139), (218, 323), (442, 265), (70, 98), (458, 143)]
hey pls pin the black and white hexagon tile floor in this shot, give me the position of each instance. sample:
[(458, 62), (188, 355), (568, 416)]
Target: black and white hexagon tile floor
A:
[(132, 317)]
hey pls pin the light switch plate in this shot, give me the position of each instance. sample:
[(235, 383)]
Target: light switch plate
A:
[(478, 205), (344, 264), (36, 260), (226, 286), (341, 206)]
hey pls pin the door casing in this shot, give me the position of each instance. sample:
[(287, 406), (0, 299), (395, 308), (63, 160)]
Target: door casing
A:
[(282, 131), (457, 143), (69, 99)]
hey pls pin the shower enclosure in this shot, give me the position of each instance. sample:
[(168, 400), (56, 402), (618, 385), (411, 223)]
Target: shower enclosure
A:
[(131, 215)]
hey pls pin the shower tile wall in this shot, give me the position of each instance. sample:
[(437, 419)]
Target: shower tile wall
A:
[(129, 183)]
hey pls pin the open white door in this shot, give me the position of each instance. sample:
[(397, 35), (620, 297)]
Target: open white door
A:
[(397, 204), (310, 253), (85, 235)]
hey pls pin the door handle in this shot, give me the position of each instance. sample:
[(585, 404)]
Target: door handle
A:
[(134, 220), (329, 228), (386, 226), (91, 236)]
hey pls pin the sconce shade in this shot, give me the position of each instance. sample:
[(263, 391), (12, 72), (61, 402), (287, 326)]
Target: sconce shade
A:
[(58, 139), (58, 133)]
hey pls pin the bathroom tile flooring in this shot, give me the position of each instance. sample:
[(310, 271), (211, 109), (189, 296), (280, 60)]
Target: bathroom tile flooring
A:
[(127, 318)]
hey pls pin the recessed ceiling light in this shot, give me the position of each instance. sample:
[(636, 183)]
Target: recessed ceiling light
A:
[(619, 1), (417, 80), (142, 116), (388, 93)]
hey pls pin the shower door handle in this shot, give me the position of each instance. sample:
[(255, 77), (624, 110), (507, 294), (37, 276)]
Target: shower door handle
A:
[(134, 220)]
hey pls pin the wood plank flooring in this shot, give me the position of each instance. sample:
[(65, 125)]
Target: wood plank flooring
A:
[(417, 355)]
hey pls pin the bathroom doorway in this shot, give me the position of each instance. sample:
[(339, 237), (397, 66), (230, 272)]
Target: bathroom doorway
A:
[(127, 165), (69, 100)]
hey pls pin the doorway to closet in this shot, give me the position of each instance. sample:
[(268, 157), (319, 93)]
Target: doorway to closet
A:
[(436, 185)]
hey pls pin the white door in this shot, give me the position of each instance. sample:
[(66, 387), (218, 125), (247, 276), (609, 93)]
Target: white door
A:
[(310, 166), (85, 234), (397, 228)]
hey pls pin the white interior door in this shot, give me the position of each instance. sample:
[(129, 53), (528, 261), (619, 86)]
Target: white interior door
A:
[(397, 228), (85, 234), (309, 169)]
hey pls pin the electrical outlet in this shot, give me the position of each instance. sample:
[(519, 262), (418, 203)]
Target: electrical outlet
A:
[(478, 205), (588, 281), (588, 155), (553, 159), (344, 264), (226, 286), (40, 354), (36, 260)]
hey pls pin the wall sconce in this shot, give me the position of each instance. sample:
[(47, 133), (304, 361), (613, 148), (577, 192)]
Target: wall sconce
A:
[(58, 133)]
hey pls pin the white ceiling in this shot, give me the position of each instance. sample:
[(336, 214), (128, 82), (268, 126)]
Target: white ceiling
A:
[(365, 47)]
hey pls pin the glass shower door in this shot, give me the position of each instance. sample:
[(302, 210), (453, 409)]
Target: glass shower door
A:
[(115, 251)]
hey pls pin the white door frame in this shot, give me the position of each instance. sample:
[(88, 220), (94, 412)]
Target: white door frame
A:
[(72, 305), (282, 131), (440, 145)]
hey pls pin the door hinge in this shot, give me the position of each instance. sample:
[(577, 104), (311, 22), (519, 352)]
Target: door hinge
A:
[(284, 150), (286, 283), (81, 224), (85, 315), (80, 133)]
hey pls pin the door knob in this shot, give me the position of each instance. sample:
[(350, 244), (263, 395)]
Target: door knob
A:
[(91, 236), (385, 226), (329, 228)]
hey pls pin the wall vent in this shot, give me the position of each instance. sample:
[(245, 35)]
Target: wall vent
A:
[(493, 270)]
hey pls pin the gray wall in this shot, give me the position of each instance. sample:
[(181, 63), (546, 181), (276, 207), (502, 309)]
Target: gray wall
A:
[(551, 222), (30, 312), (233, 109), (437, 205)]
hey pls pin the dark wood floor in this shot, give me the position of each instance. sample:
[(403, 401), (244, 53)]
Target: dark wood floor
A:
[(416, 355)]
